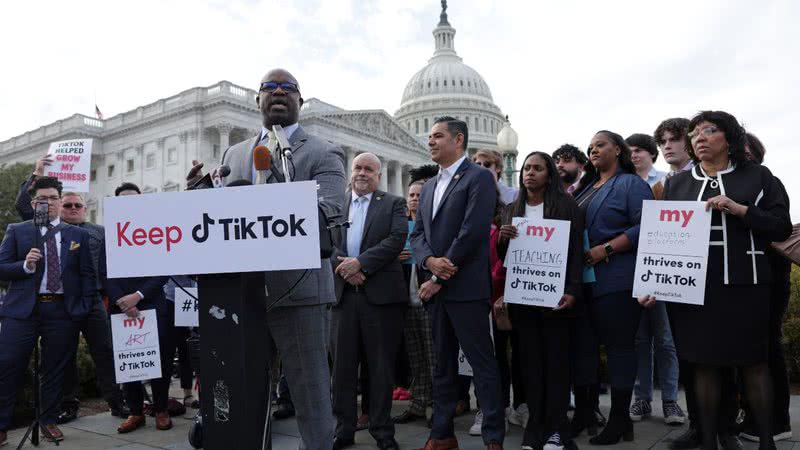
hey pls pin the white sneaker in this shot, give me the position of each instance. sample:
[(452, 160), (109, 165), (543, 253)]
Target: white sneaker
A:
[(475, 429), (520, 416)]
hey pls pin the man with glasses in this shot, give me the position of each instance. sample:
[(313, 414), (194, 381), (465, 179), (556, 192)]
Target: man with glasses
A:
[(52, 288), (95, 327), (299, 325)]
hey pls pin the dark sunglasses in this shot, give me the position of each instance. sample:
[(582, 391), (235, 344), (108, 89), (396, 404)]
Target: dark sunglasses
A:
[(73, 205), (271, 86)]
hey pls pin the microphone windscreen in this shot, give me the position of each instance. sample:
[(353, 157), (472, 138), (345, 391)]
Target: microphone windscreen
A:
[(224, 171), (262, 159)]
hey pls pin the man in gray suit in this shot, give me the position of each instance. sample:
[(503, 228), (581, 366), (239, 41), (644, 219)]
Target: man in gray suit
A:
[(298, 326), (371, 301)]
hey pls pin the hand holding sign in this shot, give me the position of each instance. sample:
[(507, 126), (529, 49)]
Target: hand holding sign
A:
[(724, 204), (69, 162), (42, 164)]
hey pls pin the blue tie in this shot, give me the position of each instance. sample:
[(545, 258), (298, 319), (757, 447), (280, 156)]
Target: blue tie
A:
[(357, 211)]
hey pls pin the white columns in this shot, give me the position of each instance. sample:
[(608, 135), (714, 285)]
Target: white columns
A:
[(397, 180), (384, 185)]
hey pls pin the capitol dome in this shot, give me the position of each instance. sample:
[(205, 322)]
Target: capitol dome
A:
[(447, 86)]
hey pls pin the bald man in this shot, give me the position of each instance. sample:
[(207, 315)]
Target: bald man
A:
[(371, 299), (299, 324)]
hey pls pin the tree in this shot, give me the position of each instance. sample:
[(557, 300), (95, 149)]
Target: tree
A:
[(10, 178)]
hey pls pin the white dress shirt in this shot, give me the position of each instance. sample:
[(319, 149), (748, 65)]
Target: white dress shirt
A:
[(43, 261), (443, 180)]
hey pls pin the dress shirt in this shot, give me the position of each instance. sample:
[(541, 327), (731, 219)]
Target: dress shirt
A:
[(358, 215), (43, 261), (685, 168), (265, 136), (443, 180), (654, 176)]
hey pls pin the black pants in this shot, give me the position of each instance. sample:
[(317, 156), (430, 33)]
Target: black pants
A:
[(544, 343), (134, 392), (354, 322), (96, 329), (728, 401), (616, 318), (180, 334)]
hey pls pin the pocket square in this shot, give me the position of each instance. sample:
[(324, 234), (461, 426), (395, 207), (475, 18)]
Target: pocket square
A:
[(74, 245)]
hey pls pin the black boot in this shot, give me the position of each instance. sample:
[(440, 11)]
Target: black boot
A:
[(584, 417), (619, 422)]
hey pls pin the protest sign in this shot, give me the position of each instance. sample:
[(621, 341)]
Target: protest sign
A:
[(536, 262), (136, 353), (72, 162), (186, 306), (232, 229), (672, 255)]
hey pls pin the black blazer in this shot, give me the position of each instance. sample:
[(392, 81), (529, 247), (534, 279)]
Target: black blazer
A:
[(385, 232), (151, 287)]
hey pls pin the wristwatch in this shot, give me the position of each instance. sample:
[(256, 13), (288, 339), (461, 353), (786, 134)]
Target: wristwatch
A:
[(434, 279), (609, 249)]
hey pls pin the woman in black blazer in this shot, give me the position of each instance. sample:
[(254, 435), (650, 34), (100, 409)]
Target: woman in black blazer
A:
[(544, 334), (731, 328)]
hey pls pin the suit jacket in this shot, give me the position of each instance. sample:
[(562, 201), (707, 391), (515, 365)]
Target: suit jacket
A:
[(616, 209), (152, 288), (460, 231), (385, 232), (314, 159), (77, 271)]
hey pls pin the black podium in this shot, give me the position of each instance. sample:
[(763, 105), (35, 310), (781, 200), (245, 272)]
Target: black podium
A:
[(233, 363)]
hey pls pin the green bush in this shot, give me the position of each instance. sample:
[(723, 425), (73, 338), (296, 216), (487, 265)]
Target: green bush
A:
[(791, 329), (23, 408)]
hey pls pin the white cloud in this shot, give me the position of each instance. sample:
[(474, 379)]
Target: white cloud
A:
[(561, 70)]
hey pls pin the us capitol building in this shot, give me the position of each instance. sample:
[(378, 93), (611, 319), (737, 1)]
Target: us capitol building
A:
[(153, 145)]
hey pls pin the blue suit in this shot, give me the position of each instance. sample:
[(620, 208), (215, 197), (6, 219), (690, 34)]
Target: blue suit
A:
[(460, 310), (23, 318)]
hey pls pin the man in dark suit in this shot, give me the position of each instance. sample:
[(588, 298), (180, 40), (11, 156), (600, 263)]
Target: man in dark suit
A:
[(451, 243), (52, 289), (371, 299), (94, 327)]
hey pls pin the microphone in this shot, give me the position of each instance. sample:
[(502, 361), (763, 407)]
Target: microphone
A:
[(262, 160), (283, 140), (211, 179)]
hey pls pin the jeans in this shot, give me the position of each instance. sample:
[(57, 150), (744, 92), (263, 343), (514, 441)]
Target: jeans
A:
[(655, 336)]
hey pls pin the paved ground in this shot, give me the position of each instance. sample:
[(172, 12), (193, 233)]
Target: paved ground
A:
[(99, 432)]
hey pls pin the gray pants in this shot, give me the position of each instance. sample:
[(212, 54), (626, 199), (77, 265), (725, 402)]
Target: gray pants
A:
[(300, 335)]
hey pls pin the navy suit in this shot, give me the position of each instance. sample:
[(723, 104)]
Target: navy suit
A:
[(152, 288), (460, 310), (23, 318)]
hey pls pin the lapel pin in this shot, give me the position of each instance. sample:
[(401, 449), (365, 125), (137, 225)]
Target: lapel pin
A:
[(458, 175), (74, 245)]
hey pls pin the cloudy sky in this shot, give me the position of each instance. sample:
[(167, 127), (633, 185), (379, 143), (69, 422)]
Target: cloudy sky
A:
[(560, 70)]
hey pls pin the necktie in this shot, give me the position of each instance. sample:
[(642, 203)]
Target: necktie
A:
[(356, 228), (53, 266)]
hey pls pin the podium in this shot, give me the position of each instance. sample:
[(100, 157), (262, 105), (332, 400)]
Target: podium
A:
[(233, 363)]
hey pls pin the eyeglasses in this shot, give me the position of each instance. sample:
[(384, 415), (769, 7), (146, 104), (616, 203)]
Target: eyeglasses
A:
[(707, 131), (486, 164), (271, 86), (73, 205), (52, 198)]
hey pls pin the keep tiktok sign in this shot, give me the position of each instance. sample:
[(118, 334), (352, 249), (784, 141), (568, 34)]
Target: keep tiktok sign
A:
[(536, 262), (232, 229), (672, 256)]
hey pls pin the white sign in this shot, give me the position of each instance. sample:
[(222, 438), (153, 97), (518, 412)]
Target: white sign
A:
[(136, 353), (233, 229), (537, 262), (186, 307), (672, 256), (72, 161)]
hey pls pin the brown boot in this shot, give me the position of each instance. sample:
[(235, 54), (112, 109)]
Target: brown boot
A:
[(441, 444), (163, 422), (131, 423)]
